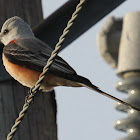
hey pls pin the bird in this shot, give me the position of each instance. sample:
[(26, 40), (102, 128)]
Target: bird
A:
[(24, 57)]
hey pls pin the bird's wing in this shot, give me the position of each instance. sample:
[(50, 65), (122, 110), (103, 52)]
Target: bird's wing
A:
[(33, 54)]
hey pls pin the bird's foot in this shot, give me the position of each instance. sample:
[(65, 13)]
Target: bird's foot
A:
[(30, 96)]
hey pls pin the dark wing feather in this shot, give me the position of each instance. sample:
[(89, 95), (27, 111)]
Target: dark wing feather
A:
[(33, 54)]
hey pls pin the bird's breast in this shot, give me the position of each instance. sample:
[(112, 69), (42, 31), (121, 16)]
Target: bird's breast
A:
[(25, 76), (28, 77)]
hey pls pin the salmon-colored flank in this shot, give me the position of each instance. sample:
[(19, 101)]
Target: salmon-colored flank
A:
[(28, 77), (25, 76)]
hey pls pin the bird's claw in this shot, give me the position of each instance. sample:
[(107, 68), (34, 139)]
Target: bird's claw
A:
[(29, 96)]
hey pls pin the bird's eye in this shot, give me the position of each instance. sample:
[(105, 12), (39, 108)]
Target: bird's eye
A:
[(6, 31)]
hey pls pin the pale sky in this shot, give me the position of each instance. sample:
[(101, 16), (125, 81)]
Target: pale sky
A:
[(82, 113)]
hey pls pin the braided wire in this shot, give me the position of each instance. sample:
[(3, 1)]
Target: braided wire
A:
[(34, 90)]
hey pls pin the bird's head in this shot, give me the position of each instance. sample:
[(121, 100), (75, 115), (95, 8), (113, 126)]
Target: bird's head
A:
[(15, 28)]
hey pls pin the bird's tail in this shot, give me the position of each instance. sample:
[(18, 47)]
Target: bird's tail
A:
[(86, 83)]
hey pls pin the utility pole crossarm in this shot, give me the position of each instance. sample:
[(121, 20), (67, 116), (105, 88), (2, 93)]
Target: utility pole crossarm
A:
[(93, 11)]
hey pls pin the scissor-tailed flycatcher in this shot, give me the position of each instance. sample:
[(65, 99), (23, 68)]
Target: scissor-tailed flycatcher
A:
[(24, 57)]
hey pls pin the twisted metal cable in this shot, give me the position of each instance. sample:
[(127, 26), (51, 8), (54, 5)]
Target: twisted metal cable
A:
[(34, 90)]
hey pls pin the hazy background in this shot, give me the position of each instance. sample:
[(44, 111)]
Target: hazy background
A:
[(84, 114)]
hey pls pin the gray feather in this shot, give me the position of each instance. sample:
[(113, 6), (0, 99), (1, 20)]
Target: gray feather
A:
[(33, 54)]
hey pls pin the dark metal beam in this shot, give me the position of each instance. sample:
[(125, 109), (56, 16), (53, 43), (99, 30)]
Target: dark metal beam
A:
[(93, 10)]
